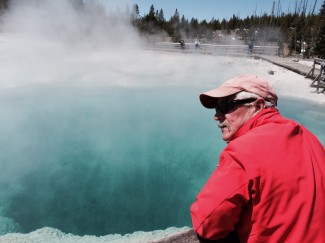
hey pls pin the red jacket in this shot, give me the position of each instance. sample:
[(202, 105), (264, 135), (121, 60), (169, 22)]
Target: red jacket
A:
[(269, 185)]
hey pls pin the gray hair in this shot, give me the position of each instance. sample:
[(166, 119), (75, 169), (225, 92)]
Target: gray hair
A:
[(246, 95)]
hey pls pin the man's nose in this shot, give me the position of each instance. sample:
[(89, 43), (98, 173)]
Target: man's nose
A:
[(218, 116)]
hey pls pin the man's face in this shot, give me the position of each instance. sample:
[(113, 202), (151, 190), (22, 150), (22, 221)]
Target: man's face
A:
[(233, 120)]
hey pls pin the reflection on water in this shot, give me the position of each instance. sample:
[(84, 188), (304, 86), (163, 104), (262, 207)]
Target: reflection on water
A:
[(111, 160)]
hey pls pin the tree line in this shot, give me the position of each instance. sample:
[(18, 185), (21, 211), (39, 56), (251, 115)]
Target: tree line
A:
[(302, 30)]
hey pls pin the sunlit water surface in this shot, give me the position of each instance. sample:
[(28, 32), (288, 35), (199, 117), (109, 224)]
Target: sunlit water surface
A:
[(109, 160)]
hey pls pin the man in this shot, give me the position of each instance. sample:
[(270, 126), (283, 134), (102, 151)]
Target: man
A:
[(269, 185)]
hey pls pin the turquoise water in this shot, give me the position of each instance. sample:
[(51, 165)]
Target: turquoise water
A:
[(111, 160), (310, 114)]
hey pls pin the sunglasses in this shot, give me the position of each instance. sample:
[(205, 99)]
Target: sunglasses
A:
[(225, 106)]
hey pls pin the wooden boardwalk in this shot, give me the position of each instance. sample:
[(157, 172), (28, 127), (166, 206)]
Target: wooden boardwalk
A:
[(314, 73), (289, 64)]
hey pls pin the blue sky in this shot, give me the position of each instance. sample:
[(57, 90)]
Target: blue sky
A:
[(219, 9)]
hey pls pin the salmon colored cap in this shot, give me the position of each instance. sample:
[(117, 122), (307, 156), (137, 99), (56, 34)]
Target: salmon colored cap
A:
[(246, 82)]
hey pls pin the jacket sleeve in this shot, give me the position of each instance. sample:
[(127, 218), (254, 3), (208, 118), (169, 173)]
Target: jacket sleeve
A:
[(219, 204)]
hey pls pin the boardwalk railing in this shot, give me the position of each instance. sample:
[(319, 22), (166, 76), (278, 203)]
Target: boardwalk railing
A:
[(319, 81), (211, 49)]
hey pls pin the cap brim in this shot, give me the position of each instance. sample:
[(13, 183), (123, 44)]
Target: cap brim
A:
[(210, 98)]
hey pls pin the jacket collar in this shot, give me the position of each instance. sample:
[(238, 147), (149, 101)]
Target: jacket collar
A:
[(262, 117)]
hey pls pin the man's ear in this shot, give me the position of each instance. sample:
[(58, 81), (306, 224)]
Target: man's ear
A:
[(259, 104)]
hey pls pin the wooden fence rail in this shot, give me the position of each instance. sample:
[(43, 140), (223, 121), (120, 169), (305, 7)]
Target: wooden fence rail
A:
[(319, 81), (211, 49)]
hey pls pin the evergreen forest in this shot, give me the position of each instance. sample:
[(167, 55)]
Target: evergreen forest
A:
[(302, 29)]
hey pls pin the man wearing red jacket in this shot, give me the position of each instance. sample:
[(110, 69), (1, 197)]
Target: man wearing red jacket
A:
[(269, 185)]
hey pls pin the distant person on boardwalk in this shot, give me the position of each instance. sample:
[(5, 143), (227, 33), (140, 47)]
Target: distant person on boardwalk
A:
[(182, 43), (250, 47), (269, 185), (197, 43)]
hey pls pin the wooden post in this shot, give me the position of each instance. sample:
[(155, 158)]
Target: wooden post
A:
[(321, 78)]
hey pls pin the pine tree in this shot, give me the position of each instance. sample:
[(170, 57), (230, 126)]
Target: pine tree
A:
[(151, 17), (135, 12), (161, 18), (175, 24), (320, 43)]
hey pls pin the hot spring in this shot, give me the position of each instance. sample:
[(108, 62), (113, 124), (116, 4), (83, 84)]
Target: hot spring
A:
[(110, 159), (97, 140)]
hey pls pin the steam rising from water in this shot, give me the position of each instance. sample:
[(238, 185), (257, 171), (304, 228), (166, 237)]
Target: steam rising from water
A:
[(97, 135), (71, 24)]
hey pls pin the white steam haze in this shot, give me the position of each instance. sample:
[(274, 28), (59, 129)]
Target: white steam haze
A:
[(67, 23), (48, 38), (49, 46), (53, 42)]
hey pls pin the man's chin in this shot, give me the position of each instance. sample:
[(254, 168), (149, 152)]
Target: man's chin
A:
[(226, 136), (226, 139)]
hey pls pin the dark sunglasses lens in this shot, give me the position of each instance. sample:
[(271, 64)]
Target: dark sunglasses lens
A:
[(225, 106)]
